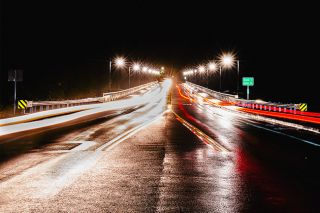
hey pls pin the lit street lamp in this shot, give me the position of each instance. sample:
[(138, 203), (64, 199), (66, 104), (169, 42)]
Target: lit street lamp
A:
[(201, 70), (227, 61), (212, 66), (135, 67), (119, 63)]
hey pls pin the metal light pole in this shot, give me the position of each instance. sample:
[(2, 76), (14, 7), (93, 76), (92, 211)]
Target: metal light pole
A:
[(238, 69), (220, 78), (207, 78), (129, 75), (110, 64), (227, 60), (139, 77)]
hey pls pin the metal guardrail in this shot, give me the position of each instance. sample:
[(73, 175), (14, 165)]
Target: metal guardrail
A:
[(254, 104), (111, 96), (215, 94), (34, 106)]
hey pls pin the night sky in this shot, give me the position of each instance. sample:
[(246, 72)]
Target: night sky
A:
[(62, 46)]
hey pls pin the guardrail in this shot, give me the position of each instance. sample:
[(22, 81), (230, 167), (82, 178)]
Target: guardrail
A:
[(253, 104), (215, 94), (111, 96), (34, 106)]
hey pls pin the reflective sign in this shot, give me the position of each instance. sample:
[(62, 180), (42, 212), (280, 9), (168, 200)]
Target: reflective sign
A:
[(247, 81)]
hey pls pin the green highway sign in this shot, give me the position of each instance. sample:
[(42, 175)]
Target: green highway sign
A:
[(247, 81)]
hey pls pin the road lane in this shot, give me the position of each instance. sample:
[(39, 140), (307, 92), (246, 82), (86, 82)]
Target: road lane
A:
[(30, 151), (163, 167), (278, 150)]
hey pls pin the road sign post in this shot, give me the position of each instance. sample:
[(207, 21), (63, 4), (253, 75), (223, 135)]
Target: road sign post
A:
[(15, 76), (248, 82)]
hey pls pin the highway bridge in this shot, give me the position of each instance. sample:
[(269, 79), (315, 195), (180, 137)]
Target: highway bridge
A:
[(161, 147)]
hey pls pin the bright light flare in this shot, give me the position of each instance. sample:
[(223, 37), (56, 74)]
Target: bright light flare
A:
[(188, 72), (136, 67), (145, 69), (120, 62), (227, 60), (212, 66), (201, 68)]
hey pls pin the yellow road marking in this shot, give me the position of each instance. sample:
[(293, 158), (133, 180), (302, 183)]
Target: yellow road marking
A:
[(204, 137)]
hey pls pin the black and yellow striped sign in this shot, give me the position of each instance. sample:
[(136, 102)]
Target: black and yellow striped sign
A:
[(22, 104), (303, 107)]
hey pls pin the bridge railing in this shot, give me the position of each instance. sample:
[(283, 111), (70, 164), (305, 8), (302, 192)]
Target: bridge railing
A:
[(215, 94), (253, 104), (34, 106)]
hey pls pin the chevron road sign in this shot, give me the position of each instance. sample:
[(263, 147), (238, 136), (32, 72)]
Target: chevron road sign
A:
[(22, 104)]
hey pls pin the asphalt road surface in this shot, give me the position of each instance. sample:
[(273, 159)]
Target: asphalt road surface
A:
[(170, 155)]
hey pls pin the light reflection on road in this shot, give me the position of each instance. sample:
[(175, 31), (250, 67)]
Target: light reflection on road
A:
[(47, 179)]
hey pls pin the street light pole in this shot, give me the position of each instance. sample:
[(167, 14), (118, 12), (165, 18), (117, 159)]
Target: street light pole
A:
[(207, 79), (110, 64), (129, 75), (220, 77), (238, 69)]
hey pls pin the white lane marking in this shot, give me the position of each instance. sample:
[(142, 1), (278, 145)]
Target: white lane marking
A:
[(96, 109), (159, 101), (262, 118), (110, 144), (284, 134), (244, 117), (83, 145), (247, 118), (49, 178)]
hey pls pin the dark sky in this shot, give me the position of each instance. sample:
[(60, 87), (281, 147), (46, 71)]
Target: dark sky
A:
[(56, 42)]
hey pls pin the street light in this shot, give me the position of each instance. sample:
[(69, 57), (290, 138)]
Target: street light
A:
[(119, 63), (212, 66), (228, 61), (136, 67), (145, 69), (201, 68)]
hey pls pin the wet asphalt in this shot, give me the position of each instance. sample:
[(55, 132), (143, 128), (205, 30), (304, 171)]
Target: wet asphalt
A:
[(146, 160)]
